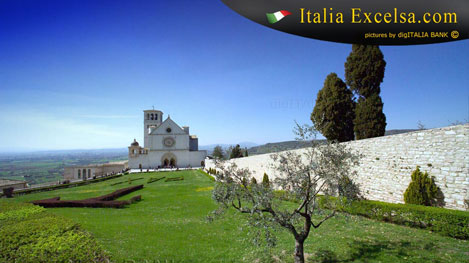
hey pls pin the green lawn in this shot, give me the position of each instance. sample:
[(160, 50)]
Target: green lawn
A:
[(170, 225)]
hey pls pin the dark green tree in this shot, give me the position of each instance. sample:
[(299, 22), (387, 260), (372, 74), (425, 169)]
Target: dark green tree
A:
[(246, 152), (422, 190), (364, 70), (253, 180), (333, 112), (236, 152), (265, 180), (218, 152), (370, 120), (364, 73)]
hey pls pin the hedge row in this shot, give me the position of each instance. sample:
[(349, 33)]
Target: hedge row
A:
[(447, 222), (128, 181), (172, 179), (62, 186), (104, 201), (152, 180), (31, 234)]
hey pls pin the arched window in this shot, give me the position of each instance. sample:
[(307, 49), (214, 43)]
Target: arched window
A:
[(89, 173), (84, 173), (152, 116), (79, 174), (148, 116), (156, 117)]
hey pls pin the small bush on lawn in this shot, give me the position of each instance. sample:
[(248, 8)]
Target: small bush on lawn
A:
[(422, 189), (8, 192), (253, 180), (265, 180), (447, 222), (212, 171), (31, 234)]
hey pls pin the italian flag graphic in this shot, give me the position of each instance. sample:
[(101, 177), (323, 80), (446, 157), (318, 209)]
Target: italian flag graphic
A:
[(277, 16)]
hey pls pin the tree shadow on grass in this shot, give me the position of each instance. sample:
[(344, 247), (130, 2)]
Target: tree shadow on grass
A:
[(371, 250), (361, 251)]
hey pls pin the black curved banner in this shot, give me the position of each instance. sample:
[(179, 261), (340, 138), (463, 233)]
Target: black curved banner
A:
[(377, 22)]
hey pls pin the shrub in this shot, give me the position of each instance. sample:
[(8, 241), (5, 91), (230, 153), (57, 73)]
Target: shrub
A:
[(421, 190), (447, 222), (31, 234), (348, 188), (253, 180), (8, 192), (212, 171), (265, 180)]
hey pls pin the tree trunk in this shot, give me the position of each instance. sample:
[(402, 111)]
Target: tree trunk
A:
[(299, 253)]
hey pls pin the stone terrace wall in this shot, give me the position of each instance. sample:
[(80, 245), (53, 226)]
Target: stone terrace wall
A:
[(388, 161)]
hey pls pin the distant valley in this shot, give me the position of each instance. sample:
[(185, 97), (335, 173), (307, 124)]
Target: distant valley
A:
[(47, 166)]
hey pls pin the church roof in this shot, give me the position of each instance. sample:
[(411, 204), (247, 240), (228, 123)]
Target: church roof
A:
[(162, 128)]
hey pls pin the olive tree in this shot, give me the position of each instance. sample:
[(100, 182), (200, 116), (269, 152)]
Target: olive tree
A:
[(304, 176)]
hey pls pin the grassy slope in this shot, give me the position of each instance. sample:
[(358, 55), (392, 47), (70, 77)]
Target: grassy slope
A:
[(169, 224)]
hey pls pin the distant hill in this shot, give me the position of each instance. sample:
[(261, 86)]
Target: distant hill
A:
[(209, 148), (278, 146), (397, 131), (291, 145)]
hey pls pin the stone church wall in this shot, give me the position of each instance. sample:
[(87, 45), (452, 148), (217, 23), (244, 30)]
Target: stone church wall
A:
[(388, 161)]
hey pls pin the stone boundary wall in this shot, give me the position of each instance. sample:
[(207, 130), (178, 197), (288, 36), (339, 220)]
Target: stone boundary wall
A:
[(387, 163)]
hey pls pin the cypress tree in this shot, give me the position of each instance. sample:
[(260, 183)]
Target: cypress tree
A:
[(236, 152), (364, 73), (370, 120), (364, 70), (333, 112)]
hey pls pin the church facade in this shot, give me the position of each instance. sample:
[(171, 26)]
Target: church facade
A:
[(165, 145)]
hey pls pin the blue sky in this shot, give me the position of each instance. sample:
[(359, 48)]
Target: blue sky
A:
[(78, 74)]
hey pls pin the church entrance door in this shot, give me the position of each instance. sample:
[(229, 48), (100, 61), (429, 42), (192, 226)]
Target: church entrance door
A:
[(172, 162), (165, 163)]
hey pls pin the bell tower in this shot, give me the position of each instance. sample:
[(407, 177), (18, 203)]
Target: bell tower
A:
[(151, 120)]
